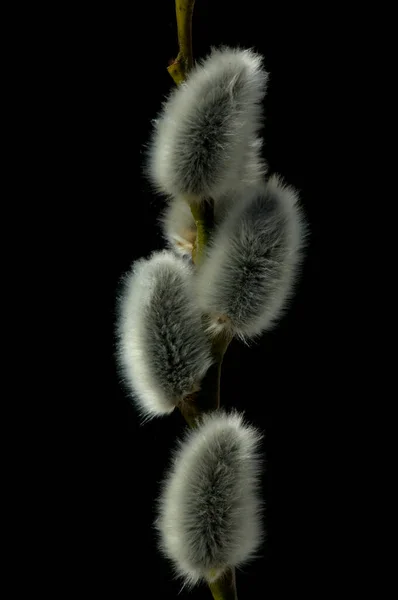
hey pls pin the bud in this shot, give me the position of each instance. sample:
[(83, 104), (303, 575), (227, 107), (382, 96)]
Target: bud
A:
[(163, 350), (205, 142), (209, 510), (178, 226), (253, 260)]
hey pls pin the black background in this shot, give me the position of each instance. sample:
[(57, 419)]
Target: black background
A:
[(113, 80)]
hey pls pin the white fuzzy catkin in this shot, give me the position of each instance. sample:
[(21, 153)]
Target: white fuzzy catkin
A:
[(209, 510), (205, 142), (163, 350), (253, 260)]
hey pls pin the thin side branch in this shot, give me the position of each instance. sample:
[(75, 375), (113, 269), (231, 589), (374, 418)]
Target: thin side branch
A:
[(208, 397)]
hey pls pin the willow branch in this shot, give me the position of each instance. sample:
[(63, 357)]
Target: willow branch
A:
[(184, 61), (208, 397), (225, 587), (203, 214)]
